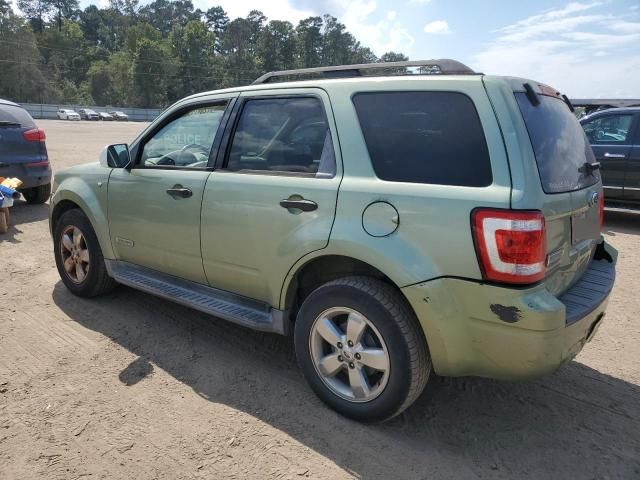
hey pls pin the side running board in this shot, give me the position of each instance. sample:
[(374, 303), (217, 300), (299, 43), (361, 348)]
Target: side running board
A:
[(228, 306)]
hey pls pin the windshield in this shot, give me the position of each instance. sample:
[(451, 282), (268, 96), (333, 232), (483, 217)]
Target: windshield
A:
[(561, 148)]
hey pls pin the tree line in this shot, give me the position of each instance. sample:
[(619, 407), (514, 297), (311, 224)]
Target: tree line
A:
[(128, 55)]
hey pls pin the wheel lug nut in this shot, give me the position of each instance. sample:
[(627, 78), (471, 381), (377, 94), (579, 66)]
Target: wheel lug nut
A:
[(339, 345), (351, 365), (358, 356), (340, 359), (350, 343)]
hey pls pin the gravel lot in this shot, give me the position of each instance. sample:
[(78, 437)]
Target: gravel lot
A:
[(131, 386)]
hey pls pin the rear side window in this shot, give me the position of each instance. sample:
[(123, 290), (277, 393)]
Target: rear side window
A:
[(560, 145), (424, 137), (283, 136), (13, 114), (610, 129)]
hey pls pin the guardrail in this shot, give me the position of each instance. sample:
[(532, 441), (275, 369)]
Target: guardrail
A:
[(47, 111)]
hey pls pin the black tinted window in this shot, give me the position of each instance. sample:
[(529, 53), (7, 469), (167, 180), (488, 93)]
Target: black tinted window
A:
[(559, 143), (424, 137), (13, 114), (283, 135)]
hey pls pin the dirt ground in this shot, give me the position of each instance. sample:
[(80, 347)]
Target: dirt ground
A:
[(130, 386)]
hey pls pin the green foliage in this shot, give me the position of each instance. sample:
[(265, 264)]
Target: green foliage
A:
[(127, 55)]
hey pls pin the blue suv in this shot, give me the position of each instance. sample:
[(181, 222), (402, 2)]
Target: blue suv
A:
[(23, 152)]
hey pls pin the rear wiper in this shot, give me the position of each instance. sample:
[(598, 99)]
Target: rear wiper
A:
[(7, 123), (589, 168)]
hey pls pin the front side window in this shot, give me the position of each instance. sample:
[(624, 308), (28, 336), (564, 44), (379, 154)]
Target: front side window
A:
[(424, 137), (610, 129), (286, 135), (186, 141)]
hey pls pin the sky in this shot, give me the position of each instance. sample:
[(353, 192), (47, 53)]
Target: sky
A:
[(586, 49)]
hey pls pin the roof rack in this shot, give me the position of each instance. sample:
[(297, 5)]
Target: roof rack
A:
[(442, 66)]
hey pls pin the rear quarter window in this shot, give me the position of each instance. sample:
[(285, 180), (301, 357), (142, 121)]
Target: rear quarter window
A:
[(424, 137), (12, 113)]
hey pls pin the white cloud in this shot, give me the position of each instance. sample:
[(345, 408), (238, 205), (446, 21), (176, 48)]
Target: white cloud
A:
[(437, 27), (275, 10), (387, 34), (391, 15), (584, 54)]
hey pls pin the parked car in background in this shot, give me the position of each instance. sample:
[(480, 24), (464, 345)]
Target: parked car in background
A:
[(88, 114), (119, 116), (66, 114), (425, 240), (614, 135), (23, 152), (105, 116)]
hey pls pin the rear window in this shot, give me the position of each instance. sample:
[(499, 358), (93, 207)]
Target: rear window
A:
[(13, 114), (424, 137), (561, 148)]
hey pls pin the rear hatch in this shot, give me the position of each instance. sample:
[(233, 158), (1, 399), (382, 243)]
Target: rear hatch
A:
[(18, 142), (571, 189)]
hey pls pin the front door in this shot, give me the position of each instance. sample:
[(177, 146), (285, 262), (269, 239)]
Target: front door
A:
[(154, 207), (273, 198), (610, 138)]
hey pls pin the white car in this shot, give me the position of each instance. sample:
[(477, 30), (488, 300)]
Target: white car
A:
[(66, 114)]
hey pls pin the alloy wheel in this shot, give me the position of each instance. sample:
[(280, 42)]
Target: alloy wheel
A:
[(349, 354), (74, 253)]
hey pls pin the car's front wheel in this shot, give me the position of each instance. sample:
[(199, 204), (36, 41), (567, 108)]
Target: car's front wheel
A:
[(361, 349), (79, 257)]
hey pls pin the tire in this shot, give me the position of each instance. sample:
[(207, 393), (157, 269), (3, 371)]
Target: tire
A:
[(96, 280), (37, 195), (389, 317)]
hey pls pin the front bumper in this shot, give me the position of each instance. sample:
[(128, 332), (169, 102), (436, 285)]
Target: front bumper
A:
[(511, 333), (30, 176)]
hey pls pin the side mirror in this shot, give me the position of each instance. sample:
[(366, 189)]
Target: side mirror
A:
[(115, 156)]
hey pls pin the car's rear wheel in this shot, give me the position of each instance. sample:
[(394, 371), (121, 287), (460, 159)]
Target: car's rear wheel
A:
[(36, 195), (78, 256), (361, 349)]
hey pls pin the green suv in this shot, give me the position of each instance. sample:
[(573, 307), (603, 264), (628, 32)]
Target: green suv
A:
[(398, 219)]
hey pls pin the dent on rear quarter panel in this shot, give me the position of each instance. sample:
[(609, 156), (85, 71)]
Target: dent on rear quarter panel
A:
[(81, 187)]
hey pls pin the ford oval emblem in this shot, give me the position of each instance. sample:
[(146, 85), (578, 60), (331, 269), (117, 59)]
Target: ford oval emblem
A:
[(594, 198)]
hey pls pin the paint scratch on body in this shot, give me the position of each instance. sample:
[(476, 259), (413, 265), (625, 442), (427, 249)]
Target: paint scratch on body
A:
[(506, 314)]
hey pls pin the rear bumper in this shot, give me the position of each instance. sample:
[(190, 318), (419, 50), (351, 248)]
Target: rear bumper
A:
[(30, 176), (511, 333)]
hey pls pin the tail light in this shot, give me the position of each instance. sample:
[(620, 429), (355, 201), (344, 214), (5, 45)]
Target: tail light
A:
[(511, 245), (43, 163), (34, 135), (601, 210)]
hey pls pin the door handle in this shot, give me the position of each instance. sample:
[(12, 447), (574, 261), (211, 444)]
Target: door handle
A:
[(302, 204), (178, 191), (614, 155)]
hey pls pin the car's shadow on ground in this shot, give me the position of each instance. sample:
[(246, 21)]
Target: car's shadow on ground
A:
[(578, 423)]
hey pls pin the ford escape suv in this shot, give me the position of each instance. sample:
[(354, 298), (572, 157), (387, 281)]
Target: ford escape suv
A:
[(397, 219)]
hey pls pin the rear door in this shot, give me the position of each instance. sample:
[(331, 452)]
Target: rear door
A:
[(273, 198), (571, 190), (610, 136)]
